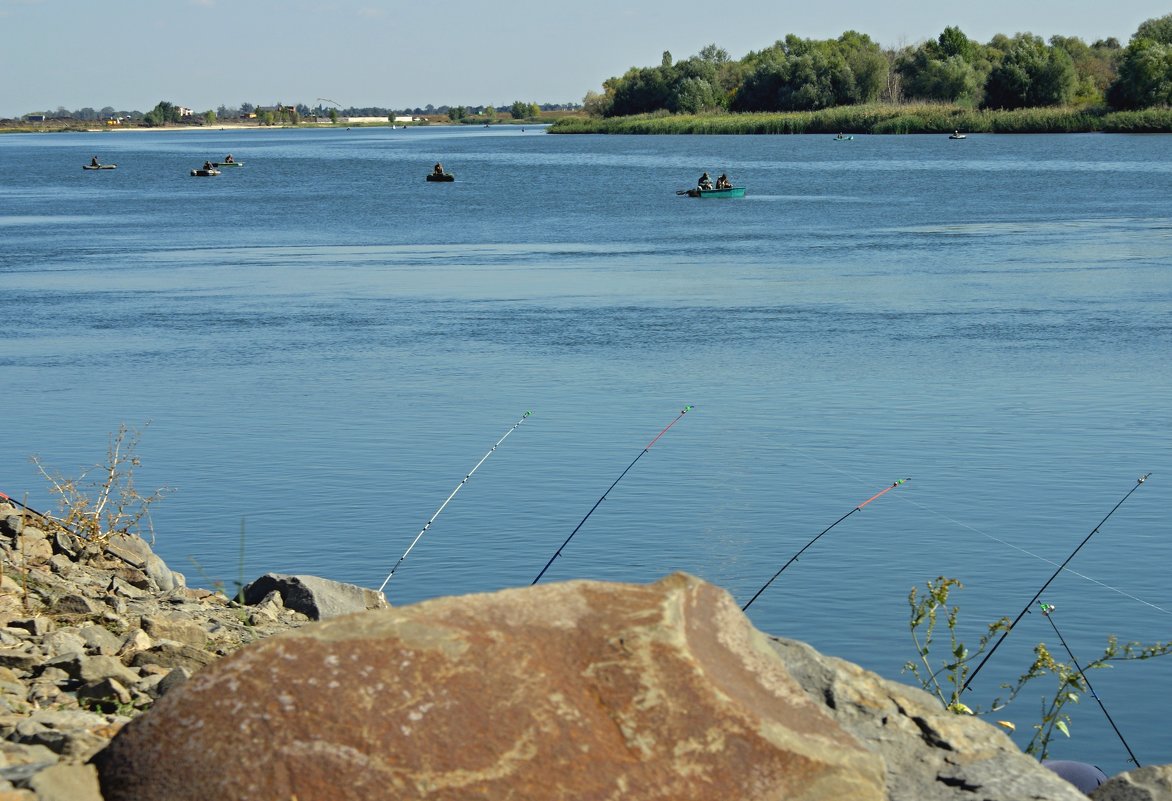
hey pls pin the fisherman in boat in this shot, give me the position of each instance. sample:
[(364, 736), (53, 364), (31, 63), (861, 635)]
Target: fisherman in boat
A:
[(705, 182), (207, 165), (94, 162), (439, 169), (723, 182), (228, 159)]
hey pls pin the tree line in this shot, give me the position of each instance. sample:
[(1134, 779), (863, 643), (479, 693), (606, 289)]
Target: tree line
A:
[(795, 74)]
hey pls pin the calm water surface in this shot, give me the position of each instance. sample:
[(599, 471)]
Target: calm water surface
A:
[(324, 345)]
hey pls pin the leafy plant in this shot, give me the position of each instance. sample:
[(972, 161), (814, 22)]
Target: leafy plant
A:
[(104, 499), (947, 680)]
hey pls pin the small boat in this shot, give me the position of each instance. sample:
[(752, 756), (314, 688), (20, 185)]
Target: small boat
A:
[(957, 135), (205, 171), (441, 177), (732, 191), (228, 163), (99, 166), (841, 138)]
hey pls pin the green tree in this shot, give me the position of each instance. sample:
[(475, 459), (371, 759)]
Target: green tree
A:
[(1158, 30), (333, 115), (1145, 76), (163, 113), (457, 113), (1095, 67), (209, 117), (1030, 74), (950, 69), (520, 110)]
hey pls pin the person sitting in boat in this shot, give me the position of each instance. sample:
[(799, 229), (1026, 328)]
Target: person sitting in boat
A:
[(439, 169), (94, 162), (207, 165), (228, 159), (723, 182), (705, 182)]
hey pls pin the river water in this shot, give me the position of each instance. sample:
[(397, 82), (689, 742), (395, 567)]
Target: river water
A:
[(321, 345)]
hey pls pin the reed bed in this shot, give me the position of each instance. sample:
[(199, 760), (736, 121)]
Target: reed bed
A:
[(881, 119)]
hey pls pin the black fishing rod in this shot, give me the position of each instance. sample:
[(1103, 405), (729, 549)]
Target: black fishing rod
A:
[(24, 506), (1038, 594), (679, 417), (794, 558), (1048, 613)]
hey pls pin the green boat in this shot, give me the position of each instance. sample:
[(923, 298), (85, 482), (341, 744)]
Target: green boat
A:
[(99, 166), (441, 177), (732, 191), (228, 163)]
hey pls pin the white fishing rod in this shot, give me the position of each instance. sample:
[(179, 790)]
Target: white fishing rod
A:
[(449, 498)]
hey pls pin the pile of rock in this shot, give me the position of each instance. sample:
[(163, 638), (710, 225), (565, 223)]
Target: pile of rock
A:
[(92, 635)]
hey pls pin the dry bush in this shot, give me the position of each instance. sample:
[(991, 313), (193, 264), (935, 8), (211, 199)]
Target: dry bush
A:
[(104, 499)]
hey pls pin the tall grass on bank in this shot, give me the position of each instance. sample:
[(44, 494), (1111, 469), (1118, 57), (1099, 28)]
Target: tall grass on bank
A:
[(923, 118)]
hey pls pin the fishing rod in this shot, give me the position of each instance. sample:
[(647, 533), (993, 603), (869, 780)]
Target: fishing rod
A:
[(1048, 613), (679, 417), (463, 481), (24, 506), (794, 558), (1038, 594)]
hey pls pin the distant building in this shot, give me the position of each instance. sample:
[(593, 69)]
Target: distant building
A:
[(406, 119), (34, 117), (184, 111)]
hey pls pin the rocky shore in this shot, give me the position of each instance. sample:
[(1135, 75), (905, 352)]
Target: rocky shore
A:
[(91, 637), (117, 681)]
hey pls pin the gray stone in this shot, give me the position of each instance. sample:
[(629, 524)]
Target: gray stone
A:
[(67, 783), (38, 626), (11, 525), (135, 640), (176, 678), (93, 668), (176, 628), (105, 694), (74, 604), (130, 549), (163, 577), (931, 754), (65, 641), (172, 654), (1150, 783), (318, 598), (100, 640), (67, 544), (19, 659)]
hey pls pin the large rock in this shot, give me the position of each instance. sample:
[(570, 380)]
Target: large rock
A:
[(577, 690), (316, 598), (931, 754), (1151, 783)]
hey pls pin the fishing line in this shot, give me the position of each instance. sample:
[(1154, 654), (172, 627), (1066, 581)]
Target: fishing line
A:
[(679, 417), (1048, 613), (975, 530), (463, 481), (1038, 595), (794, 558)]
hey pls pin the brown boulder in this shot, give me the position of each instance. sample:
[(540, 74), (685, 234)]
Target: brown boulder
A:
[(575, 690)]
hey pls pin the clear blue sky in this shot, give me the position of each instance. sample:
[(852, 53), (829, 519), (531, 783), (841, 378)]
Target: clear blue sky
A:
[(130, 54)]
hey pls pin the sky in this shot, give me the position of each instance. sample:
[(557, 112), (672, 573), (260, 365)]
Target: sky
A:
[(131, 54)]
